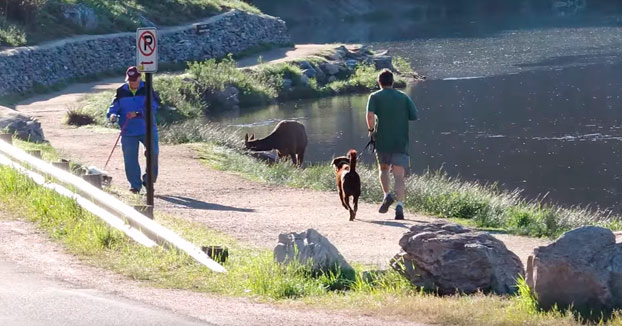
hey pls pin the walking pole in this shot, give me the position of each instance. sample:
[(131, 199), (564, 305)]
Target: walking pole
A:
[(116, 143)]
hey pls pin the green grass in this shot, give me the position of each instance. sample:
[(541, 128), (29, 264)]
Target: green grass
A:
[(31, 22), (252, 271), (433, 193), (48, 153)]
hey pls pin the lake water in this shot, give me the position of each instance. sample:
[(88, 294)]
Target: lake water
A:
[(535, 108)]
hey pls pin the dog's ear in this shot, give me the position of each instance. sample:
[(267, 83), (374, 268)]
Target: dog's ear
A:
[(339, 161), (252, 137), (246, 138)]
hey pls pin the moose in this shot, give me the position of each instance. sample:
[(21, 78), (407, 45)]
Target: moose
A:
[(289, 138)]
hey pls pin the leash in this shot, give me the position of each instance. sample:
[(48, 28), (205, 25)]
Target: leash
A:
[(371, 145), (116, 142)]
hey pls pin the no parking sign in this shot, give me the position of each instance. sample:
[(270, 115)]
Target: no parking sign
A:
[(147, 49)]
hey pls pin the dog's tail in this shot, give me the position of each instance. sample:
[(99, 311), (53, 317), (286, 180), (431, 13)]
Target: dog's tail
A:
[(352, 155)]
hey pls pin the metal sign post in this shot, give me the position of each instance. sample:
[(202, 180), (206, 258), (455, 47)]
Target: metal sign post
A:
[(147, 62)]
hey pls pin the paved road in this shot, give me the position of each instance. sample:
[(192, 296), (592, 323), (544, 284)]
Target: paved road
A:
[(28, 298)]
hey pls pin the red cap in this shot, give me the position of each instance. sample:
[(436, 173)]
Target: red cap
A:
[(132, 74)]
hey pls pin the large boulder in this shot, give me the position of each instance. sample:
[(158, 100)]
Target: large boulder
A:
[(449, 258), (309, 247), (22, 126), (582, 268)]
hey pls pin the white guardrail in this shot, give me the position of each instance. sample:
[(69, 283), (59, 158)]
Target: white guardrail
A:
[(110, 209)]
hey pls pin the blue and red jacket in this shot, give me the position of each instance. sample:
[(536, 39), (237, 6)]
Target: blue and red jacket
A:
[(126, 102)]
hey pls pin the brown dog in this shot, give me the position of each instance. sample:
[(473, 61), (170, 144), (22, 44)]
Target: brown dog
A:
[(348, 182)]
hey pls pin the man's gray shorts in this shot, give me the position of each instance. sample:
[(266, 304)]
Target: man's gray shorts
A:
[(399, 159)]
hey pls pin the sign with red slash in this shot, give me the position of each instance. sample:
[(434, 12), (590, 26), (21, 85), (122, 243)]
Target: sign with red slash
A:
[(147, 49)]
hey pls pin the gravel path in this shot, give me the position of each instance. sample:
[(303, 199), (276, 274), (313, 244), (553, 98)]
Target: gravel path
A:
[(251, 212)]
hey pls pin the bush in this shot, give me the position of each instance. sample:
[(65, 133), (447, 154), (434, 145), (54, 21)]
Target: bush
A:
[(10, 34)]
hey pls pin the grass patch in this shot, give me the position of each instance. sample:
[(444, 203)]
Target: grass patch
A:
[(31, 22), (434, 193), (252, 271), (48, 153)]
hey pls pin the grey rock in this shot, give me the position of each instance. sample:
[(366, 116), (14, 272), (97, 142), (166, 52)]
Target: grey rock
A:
[(447, 258), (81, 15), (309, 247), (351, 63), (304, 80), (305, 65), (287, 83), (342, 50), (384, 62), (145, 22), (309, 72), (330, 68), (22, 126), (332, 79), (229, 97), (582, 268)]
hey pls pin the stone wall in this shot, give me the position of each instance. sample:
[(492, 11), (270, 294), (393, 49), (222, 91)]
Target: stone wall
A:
[(48, 64)]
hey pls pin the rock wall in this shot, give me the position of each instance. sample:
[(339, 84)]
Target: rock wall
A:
[(232, 32)]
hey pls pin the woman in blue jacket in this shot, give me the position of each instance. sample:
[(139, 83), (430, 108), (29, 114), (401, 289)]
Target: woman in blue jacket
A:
[(128, 109)]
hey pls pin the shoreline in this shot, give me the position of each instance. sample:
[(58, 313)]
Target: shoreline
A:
[(216, 86)]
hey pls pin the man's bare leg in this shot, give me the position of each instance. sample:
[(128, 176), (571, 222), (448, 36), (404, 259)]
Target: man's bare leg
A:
[(400, 187), (400, 191), (385, 182), (385, 179)]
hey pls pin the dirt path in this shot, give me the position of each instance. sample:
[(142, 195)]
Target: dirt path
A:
[(251, 212), (285, 54)]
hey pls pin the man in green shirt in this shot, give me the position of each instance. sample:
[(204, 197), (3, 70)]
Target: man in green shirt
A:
[(388, 113)]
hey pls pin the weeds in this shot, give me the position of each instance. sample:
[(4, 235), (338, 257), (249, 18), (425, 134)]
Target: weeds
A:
[(75, 117)]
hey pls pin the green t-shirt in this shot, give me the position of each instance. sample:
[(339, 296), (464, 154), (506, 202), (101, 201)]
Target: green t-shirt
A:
[(393, 110)]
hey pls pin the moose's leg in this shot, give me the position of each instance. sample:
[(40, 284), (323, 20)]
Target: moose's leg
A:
[(301, 157), (293, 156), (356, 203)]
